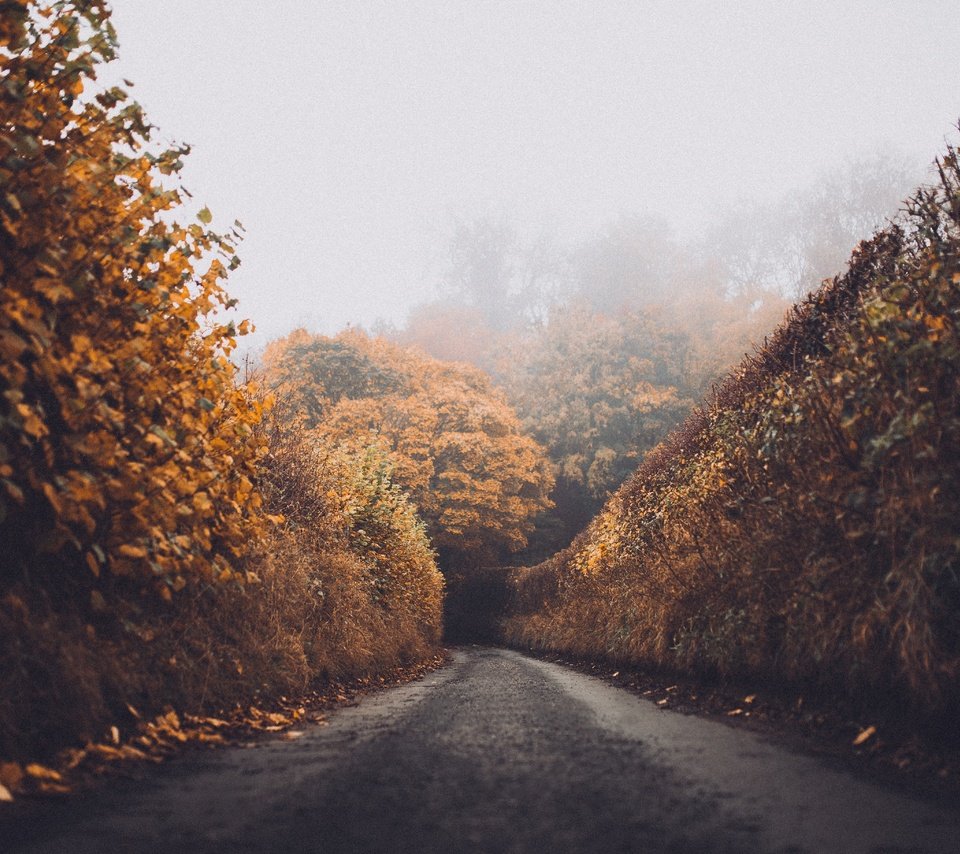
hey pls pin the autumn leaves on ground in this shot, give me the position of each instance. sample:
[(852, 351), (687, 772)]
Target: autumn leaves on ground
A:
[(180, 537)]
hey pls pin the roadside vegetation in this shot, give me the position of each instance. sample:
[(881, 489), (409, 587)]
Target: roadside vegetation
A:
[(801, 525), (166, 538), (450, 439)]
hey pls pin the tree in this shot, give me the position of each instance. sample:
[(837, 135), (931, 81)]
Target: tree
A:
[(509, 281), (481, 269), (452, 332), (632, 263), (453, 442), (792, 245), (126, 448), (597, 392)]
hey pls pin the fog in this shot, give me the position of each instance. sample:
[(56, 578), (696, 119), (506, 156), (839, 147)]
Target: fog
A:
[(352, 138)]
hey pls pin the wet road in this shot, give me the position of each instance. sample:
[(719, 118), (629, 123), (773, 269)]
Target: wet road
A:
[(494, 753)]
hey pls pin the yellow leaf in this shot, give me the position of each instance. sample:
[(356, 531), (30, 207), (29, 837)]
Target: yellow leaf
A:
[(92, 562), (864, 735), (293, 734), (32, 425), (41, 772), (5, 796), (132, 551)]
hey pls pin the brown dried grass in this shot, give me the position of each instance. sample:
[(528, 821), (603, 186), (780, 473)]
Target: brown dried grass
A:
[(69, 670)]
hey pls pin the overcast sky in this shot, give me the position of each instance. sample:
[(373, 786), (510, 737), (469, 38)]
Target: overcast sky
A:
[(347, 136)]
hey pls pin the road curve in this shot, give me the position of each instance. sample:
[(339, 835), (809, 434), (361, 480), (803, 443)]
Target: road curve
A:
[(497, 752)]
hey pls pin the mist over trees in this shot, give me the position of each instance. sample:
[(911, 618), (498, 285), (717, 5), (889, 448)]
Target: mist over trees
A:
[(605, 344), (790, 246)]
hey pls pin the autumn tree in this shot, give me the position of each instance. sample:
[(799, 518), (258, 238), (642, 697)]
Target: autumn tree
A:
[(598, 392), (126, 448), (454, 443)]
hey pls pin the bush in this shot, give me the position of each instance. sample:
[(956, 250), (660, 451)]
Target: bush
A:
[(127, 451)]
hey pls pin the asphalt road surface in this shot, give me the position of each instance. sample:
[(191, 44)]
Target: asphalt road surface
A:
[(494, 753)]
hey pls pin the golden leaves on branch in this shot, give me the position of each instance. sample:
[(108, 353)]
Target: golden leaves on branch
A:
[(118, 404)]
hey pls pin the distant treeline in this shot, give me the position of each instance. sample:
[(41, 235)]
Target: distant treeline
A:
[(801, 525), (605, 345)]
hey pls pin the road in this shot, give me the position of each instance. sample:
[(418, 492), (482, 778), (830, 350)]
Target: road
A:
[(497, 752)]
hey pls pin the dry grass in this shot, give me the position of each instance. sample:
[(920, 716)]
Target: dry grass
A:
[(321, 610)]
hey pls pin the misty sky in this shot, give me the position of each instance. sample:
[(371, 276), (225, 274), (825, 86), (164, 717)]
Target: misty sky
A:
[(348, 136)]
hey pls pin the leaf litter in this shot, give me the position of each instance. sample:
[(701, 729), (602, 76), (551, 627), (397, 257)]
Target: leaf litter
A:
[(151, 741)]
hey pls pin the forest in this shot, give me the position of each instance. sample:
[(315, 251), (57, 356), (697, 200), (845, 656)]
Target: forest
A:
[(735, 455)]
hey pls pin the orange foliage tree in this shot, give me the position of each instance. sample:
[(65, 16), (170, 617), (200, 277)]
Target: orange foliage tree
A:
[(126, 447), (455, 444)]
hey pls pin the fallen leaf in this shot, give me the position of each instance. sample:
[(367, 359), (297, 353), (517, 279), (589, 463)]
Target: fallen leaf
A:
[(48, 788), (5, 795), (864, 735), (41, 772), (216, 723), (734, 712), (750, 698), (293, 734), (10, 774), (73, 757), (615, 674)]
